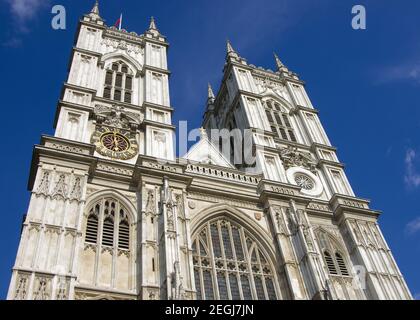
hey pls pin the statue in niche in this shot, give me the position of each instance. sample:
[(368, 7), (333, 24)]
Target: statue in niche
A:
[(150, 202)]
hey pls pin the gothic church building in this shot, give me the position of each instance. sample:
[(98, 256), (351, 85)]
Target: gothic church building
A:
[(115, 215)]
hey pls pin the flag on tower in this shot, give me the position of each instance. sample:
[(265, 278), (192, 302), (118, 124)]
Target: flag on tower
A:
[(119, 22)]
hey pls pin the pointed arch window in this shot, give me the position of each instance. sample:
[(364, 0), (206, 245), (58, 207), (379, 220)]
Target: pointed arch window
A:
[(114, 231), (279, 121), (118, 82), (333, 257), (230, 264)]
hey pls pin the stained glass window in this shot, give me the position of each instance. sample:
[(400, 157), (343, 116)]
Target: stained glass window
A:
[(231, 259)]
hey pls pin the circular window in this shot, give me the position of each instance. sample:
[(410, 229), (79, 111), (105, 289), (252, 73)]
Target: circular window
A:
[(306, 180), (303, 181)]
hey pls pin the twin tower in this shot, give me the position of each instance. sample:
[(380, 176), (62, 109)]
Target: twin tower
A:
[(114, 214)]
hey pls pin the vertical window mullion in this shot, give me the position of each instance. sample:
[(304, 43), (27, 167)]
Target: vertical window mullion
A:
[(211, 257)]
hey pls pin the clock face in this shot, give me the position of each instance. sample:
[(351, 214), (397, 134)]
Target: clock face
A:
[(115, 143)]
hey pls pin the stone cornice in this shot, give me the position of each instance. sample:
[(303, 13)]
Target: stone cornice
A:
[(343, 205), (306, 109), (124, 35), (155, 69), (87, 52), (322, 162), (147, 122), (113, 170), (315, 146), (279, 190), (147, 104), (226, 175), (151, 166), (120, 103)]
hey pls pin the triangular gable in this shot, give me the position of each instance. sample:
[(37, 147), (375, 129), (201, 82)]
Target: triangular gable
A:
[(204, 151)]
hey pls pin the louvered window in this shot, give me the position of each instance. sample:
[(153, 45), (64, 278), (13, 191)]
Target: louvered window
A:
[(124, 235), (330, 263), (92, 229), (106, 211), (118, 83), (108, 232), (341, 264), (279, 121)]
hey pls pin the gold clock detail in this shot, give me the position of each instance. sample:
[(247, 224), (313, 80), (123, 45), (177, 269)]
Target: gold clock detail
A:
[(115, 143)]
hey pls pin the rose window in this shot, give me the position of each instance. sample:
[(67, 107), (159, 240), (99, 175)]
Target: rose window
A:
[(304, 182)]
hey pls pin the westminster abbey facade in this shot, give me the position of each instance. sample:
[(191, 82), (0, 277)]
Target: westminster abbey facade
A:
[(114, 214)]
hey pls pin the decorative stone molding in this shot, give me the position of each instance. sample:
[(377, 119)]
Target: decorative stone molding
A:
[(122, 44), (222, 174), (318, 207), (22, 284), (214, 199), (76, 191), (64, 147), (60, 189), (155, 165), (114, 169), (282, 190), (44, 185), (115, 33), (117, 116), (292, 157), (42, 289)]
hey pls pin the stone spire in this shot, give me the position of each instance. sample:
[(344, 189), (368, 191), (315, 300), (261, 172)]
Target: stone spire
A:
[(229, 47), (94, 13), (153, 30), (95, 8), (231, 54), (152, 25), (279, 64), (210, 92), (281, 68)]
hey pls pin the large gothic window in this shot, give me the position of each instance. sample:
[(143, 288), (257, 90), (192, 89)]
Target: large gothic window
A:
[(230, 264), (118, 82), (114, 230), (279, 121), (107, 259)]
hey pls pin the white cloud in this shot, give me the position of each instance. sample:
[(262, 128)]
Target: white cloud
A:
[(411, 177), (413, 226), (404, 72), (25, 10)]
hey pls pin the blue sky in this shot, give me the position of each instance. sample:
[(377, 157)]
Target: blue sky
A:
[(365, 84)]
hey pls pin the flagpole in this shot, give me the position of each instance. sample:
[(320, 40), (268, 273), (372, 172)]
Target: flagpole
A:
[(120, 22)]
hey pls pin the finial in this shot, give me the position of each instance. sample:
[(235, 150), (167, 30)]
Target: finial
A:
[(94, 13), (279, 64), (210, 91), (95, 8), (152, 25), (229, 47)]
